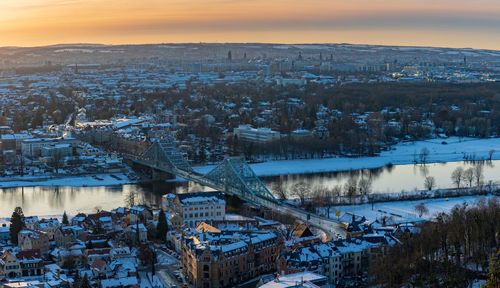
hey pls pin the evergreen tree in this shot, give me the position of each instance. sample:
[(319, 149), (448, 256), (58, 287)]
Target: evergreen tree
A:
[(162, 226), (65, 219), (85, 282), (76, 280), (16, 224)]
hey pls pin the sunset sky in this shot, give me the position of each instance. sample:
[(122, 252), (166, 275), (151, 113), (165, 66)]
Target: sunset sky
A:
[(449, 23)]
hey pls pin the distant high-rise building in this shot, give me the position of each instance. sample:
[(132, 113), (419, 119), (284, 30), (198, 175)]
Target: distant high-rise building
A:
[(300, 56), (229, 56), (320, 56)]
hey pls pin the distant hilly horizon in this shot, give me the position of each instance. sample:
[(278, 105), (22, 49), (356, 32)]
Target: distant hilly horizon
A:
[(83, 44)]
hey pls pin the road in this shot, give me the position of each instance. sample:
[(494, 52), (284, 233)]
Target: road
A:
[(165, 267), (330, 226)]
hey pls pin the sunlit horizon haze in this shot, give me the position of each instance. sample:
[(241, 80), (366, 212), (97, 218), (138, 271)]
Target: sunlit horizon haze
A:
[(441, 23)]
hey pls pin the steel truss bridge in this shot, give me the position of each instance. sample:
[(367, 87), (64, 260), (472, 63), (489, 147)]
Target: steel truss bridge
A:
[(232, 176)]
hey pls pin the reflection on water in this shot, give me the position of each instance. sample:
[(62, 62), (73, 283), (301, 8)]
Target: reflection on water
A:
[(389, 179), (55, 200)]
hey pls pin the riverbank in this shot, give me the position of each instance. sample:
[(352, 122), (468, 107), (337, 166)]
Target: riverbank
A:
[(88, 180), (404, 211), (455, 150)]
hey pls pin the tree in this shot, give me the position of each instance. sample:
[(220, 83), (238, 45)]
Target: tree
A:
[(440, 254), (490, 154), (65, 219), (162, 226), (421, 209), (69, 262), (478, 174), (21, 164), (469, 176), (424, 155), (56, 161), (350, 188), (279, 190), (429, 182), (76, 280), (16, 224), (457, 176), (337, 192), (365, 186), (85, 283), (301, 191), (494, 271), (130, 198)]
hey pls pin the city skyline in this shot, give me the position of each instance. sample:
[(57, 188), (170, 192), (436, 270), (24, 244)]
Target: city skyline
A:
[(426, 23)]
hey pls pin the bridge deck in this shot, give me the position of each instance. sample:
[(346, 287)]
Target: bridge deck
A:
[(235, 177)]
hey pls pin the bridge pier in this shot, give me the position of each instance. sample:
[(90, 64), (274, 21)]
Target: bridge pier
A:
[(158, 175), (150, 173)]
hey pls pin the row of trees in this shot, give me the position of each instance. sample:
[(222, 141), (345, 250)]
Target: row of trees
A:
[(470, 176), (450, 252), (321, 196)]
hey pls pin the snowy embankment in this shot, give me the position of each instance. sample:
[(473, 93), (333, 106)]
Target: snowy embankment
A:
[(71, 181), (404, 153), (404, 211)]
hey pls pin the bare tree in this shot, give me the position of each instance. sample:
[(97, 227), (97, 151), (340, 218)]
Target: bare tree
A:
[(365, 186), (56, 161), (424, 155), (328, 199), (350, 188), (421, 209), (429, 182), (337, 191), (490, 154), (479, 174), (457, 176), (320, 196), (469, 176), (21, 164), (280, 190), (130, 198), (490, 186), (301, 191)]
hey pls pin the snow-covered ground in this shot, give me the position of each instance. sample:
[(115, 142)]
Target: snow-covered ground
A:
[(149, 281), (402, 153), (404, 211), (70, 181)]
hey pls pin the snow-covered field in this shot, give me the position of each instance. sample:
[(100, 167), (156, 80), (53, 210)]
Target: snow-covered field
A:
[(403, 153), (404, 211)]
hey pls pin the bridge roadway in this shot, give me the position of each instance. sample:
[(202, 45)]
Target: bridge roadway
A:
[(331, 227)]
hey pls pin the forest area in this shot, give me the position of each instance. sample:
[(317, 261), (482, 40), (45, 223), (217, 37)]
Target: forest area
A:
[(451, 251)]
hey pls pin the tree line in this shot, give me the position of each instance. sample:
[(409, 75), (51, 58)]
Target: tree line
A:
[(451, 251)]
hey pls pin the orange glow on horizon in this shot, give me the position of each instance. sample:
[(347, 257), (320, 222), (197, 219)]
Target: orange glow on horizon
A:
[(452, 23)]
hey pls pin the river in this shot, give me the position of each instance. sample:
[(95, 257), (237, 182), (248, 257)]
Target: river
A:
[(49, 201)]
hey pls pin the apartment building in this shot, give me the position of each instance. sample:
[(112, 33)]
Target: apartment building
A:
[(258, 135), (218, 260), (190, 209)]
